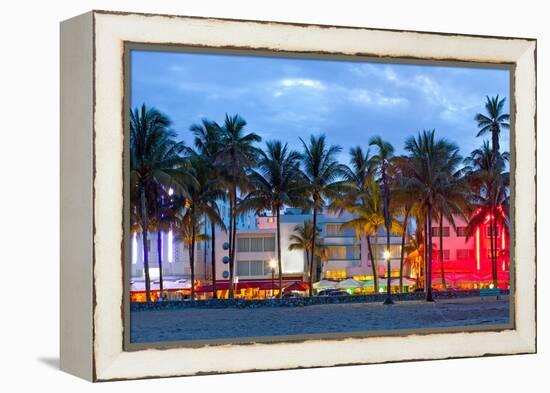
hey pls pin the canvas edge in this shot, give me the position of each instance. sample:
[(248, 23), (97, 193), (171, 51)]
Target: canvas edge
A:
[(76, 196), (526, 339)]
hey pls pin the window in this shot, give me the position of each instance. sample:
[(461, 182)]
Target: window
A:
[(488, 231), (395, 251), (336, 229), (446, 255), (256, 244), (243, 244), (344, 252), (436, 231), (269, 243), (253, 268), (464, 254), (461, 231), (243, 268), (335, 274), (256, 268)]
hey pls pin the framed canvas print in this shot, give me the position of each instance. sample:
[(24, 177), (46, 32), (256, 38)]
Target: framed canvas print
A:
[(246, 195)]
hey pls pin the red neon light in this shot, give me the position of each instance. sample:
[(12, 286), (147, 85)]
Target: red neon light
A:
[(477, 249)]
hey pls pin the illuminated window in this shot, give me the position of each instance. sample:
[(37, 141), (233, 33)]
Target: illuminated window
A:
[(335, 274), (344, 252), (270, 220)]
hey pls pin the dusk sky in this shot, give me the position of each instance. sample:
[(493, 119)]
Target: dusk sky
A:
[(284, 98)]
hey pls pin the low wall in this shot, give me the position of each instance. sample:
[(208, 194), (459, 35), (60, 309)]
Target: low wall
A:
[(301, 301)]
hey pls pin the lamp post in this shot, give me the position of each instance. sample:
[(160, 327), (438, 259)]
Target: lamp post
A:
[(387, 256), (272, 265)]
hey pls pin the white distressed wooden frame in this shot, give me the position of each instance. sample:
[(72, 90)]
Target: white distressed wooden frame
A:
[(92, 91)]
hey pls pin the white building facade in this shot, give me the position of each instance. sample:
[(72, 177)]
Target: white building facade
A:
[(347, 255)]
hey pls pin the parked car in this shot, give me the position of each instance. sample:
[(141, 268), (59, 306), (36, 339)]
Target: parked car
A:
[(291, 294), (332, 292)]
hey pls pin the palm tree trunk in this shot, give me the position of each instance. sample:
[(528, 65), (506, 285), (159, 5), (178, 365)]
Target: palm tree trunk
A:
[(234, 248), (234, 239), (495, 142), (443, 283), (402, 256), (231, 242), (144, 224), (307, 264), (159, 252), (279, 262), (375, 262), (387, 222), (425, 261), (313, 240), (493, 239), (374, 267), (429, 297), (192, 259), (213, 244), (388, 267), (159, 238)]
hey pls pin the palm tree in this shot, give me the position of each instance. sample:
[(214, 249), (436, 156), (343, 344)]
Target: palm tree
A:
[(451, 201), (432, 163), (208, 142), (322, 172), (276, 182), (301, 240), (490, 197), (189, 234), (368, 218), (237, 154), (198, 205), (405, 202), (154, 161), (383, 162), (493, 121), (164, 216)]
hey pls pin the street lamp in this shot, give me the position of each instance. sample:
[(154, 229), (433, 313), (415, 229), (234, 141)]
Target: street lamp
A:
[(272, 265), (387, 256)]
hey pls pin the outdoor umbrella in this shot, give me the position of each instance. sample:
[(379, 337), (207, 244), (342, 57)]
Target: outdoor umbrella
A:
[(368, 284), (296, 286), (349, 283), (324, 284)]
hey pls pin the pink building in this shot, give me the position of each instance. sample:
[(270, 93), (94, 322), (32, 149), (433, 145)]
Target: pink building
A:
[(467, 261)]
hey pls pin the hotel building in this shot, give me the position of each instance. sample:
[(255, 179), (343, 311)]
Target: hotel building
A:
[(466, 262)]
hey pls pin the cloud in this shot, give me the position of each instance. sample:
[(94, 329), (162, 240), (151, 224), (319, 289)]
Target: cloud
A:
[(299, 82), (373, 98), (176, 68)]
